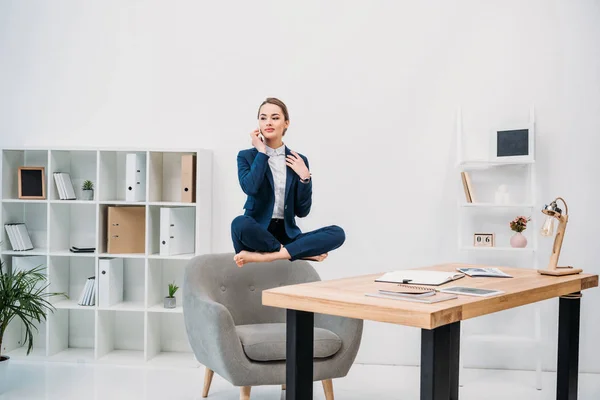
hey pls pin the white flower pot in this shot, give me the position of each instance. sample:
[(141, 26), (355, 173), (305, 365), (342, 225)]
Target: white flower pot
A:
[(170, 302), (87, 194)]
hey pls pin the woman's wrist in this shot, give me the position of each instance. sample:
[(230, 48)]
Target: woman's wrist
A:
[(305, 177)]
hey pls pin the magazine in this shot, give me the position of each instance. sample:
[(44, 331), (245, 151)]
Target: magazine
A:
[(486, 271)]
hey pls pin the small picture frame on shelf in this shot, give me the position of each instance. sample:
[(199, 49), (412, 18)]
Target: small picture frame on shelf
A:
[(513, 145), (32, 183), (484, 240)]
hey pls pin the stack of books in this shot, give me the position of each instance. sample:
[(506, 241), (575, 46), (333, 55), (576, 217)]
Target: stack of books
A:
[(88, 295), (75, 249), (64, 186), (18, 236)]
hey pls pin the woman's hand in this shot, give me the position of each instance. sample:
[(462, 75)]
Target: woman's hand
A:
[(295, 162), (257, 141)]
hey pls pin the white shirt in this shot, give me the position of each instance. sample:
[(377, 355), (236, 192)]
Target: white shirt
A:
[(278, 168)]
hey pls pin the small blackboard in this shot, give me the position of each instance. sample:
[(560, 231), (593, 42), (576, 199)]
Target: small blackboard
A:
[(32, 183), (512, 143)]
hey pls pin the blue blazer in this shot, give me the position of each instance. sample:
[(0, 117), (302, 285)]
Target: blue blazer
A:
[(256, 181)]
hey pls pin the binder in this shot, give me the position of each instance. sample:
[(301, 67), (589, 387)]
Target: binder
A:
[(188, 178), (24, 235), (110, 281), (135, 177), (11, 237), (177, 230), (126, 229)]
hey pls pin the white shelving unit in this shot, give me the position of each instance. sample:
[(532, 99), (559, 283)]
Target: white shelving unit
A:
[(484, 215), (140, 329)]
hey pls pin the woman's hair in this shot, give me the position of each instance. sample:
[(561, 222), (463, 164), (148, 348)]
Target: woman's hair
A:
[(277, 102)]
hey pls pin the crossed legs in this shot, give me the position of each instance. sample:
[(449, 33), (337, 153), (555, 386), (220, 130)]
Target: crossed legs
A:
[(253, 243)]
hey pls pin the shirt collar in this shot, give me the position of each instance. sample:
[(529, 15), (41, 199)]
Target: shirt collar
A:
[(280, 151)]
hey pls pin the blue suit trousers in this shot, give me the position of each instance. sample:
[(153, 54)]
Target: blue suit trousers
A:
[(249, 235)]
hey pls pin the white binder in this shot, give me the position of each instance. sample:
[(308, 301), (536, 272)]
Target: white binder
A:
[(177, 230), (110, 281), (135, 177)]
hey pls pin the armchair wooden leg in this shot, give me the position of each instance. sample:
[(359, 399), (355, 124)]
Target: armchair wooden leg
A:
[(245, 392), (328, 388), (208, 375)]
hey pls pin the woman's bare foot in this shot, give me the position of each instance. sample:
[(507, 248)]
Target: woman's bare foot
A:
[(317, 258), (245, 257)]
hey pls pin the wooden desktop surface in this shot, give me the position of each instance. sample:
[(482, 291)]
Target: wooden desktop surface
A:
[(346, 297)]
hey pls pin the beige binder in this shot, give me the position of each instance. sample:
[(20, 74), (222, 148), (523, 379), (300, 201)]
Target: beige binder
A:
[(188, 178), (126, 229)]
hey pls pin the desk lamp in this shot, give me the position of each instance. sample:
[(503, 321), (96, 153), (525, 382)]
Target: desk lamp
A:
[(553, 212)]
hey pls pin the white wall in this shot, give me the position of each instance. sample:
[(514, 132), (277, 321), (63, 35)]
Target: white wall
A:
[(372, 89)]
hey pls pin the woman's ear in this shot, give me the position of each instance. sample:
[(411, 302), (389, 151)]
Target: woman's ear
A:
[(287, 125)]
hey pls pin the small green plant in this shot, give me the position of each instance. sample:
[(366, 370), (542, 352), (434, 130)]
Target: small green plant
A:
[(87, 185), (172, 289), (23, 296)]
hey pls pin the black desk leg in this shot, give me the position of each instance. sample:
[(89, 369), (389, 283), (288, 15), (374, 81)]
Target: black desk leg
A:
[(299, 355), (440, 354), (568, 348)]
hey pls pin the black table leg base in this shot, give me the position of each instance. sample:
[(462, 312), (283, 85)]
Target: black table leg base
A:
[(299, 355), (568, 347), (440, 356)]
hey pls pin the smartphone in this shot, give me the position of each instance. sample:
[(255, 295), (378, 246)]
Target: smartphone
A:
[(262, 138)]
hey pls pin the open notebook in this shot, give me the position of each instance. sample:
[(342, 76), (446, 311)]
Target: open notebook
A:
[(420, 277)]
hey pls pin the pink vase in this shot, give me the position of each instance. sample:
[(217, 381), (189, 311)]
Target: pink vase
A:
[(518, 240)]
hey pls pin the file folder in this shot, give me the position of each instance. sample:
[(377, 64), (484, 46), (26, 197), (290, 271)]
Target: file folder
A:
[(188, 178), (177, 227), (110, 281), (126, 230), (135, 177)]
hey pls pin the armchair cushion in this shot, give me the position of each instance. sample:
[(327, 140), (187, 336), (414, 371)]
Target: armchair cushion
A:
[(266, 342)]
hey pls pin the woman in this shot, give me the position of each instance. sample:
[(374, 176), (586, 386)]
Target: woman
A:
[(279, 188)]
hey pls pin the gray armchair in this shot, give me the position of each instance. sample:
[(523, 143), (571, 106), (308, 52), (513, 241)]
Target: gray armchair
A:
[(234, 335)]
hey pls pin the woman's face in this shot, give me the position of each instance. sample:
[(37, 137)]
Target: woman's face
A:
[(271, 121)]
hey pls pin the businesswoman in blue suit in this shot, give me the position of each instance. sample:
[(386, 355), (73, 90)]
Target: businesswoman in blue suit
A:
[(278, 185)]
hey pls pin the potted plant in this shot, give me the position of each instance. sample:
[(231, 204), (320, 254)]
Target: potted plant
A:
[(519, 224), (170, 300), (23, 296), (87, 190)]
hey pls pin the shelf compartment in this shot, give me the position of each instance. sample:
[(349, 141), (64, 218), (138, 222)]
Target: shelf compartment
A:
[(14, 340), (72, 225), (486, 183), (160, 274), (34, 215), (165, 176), (120, 336), (103, 231), (12, 160), (154, 239), (133, 286), (79, 164), (71, 335), (166, 336), (494, 220), (112, 185), (69, 275)]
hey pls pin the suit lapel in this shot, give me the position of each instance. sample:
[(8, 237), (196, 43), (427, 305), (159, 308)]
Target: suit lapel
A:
[(289, 176)]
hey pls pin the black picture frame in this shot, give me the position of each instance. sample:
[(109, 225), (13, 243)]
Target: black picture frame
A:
[(32, 183)]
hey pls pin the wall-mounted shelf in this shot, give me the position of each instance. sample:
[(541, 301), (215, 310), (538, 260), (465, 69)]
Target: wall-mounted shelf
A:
[(139, 329)]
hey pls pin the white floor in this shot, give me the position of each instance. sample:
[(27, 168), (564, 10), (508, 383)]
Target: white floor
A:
[(27, 380)]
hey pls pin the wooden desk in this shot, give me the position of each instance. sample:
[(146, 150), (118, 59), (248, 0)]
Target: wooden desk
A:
[(439, 322)]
